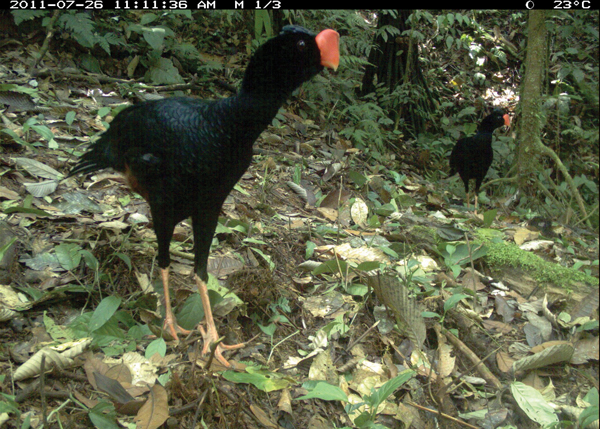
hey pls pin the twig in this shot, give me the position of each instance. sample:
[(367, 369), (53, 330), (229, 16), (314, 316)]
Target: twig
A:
[(280, 342), (593, 210), (480, 366), (57, 410), (213, 349), (233, 399), (439, 413), (359, 339), (187, 407), (199, 406)]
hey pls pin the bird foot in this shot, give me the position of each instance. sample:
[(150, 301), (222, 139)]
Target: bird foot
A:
[(211, 337), (173, 328)]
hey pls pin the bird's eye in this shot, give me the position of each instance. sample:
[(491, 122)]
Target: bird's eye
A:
[(301, 44)]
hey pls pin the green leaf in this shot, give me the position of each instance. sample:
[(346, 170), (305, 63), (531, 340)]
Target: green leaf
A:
[(266, 257), (69, 255), (591, 413), (368, 266), (58, 333), (28, 210), (430, 315), (450, 233), (356, 289), (254, 241), (269, 329), (385, 210), (389, 251), (459, 254), (17, 88), (453, 300), (163, 72), (42, 130), (297, 176), (109, 336), (592, 397), (449, 41), (588, 416), (488, 217), (124, 258), (155, 36), (4, 248), (157, 346), (147, 18), (90, 259), (105, 310), (263, 380), (332, 266), (191, 313), (326, 392), (374, 222), (262, 19), (310, 249), (241, 190), (357, 178), (70, 117), (8, 404), (103, 111), (16, 138), (389, 387), (104, 416)]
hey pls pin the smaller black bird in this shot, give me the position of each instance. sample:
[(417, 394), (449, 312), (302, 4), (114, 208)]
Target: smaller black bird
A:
[(472, 156)]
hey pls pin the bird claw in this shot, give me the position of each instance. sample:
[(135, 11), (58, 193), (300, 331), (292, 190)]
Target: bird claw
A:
[(210, 338), (173, 328)]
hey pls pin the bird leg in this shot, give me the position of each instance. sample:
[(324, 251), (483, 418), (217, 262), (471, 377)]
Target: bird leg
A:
[(211, 336), (170, 322)]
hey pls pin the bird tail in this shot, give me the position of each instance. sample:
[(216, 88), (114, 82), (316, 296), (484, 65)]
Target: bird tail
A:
[(96, 158)]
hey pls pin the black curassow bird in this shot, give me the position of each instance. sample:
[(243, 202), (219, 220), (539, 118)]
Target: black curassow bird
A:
[(472, 156), (184, 155)]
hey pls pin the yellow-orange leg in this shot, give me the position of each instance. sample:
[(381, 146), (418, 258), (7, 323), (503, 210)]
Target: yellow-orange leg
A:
[(170, 322), (211, 335)]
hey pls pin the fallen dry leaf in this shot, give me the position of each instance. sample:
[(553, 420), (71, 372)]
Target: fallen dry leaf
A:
[(155, 411)]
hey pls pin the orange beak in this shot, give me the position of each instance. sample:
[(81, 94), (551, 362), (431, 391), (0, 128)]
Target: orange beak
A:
[(506, 120), (328, 42)]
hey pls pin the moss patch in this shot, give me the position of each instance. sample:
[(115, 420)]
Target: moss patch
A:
[(501, 254)]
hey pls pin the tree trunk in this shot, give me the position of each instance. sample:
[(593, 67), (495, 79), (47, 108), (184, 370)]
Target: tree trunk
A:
[(530, 146), (530, 127), (394, 61)]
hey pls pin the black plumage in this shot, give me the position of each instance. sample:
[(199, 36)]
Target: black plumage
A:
[(472, 156), (184, 155)]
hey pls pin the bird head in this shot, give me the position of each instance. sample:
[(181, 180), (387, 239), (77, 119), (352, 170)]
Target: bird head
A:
[(494, 120), (284, 62)]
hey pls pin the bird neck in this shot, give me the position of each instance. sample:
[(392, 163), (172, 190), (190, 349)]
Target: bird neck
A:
[(259, 108)]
